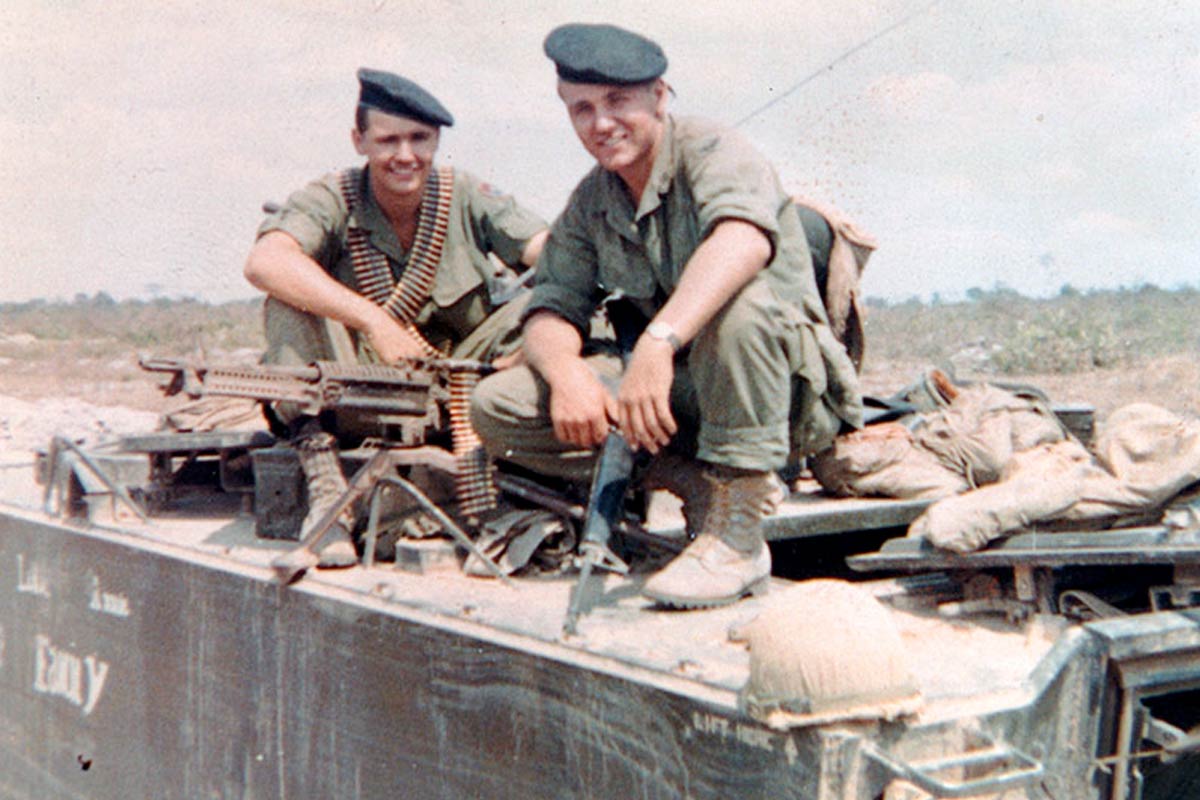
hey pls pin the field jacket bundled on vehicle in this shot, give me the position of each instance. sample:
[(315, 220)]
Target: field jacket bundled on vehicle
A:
[(997, 462), (964, 444)]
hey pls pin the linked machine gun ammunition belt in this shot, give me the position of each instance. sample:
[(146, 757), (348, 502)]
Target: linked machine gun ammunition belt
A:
[(475, 483)]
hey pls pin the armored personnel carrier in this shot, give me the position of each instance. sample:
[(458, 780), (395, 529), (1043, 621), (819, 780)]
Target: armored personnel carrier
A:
[(149, 648)]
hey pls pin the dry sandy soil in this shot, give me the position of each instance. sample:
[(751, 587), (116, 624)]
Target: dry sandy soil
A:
[(56, 391), (1172, 382)]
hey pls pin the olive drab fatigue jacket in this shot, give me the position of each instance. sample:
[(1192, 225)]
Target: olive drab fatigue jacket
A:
[(482, 221), (703, 174)]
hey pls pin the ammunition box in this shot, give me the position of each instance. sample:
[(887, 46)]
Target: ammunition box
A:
[(280, 493)]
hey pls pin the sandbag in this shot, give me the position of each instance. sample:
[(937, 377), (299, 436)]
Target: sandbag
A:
[(977, 434), (1039, 484), (1153, 452), (967, 442), (825, 650)]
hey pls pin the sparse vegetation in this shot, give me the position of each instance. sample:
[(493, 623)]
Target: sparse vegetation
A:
[(1103, 348), (1106, 348), (104, 326), (88, 348), (1000, 332)]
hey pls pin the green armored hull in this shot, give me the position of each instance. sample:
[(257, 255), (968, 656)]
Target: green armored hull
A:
[(162, 659)]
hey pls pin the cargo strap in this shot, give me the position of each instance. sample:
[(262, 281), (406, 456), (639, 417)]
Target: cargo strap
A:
[(402, 299), (474, 484)]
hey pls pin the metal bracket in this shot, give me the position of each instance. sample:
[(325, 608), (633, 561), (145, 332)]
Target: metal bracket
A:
[(1165, 598), (1008, 768), (61, 464)]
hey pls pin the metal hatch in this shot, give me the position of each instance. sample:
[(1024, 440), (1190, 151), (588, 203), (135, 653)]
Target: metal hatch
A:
[(1149, 738)]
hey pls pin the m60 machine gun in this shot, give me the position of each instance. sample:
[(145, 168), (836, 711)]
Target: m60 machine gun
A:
[(407, 401), (407, 409), (407, 406)]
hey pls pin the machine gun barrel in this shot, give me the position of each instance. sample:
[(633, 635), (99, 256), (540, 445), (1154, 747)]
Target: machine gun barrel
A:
[(406, 393)]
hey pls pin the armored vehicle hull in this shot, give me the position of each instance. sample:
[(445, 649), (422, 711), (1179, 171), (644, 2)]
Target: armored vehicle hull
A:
[(161, 659)]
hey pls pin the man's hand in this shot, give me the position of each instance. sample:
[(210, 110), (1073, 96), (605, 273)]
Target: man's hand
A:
[(581, 408), (644, 400), (279, 266), (734, 252), (391, 341)]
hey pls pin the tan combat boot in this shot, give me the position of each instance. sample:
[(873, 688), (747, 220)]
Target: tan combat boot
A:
[(729, 558), (685, 478), (326, 484)]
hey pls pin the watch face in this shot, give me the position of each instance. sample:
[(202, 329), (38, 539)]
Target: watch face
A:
[(663, 332)]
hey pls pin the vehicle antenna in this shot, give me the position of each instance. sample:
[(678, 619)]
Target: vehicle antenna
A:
[(821, 70)]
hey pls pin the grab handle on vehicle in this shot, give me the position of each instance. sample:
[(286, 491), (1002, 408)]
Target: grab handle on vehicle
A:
[(1009, 769)]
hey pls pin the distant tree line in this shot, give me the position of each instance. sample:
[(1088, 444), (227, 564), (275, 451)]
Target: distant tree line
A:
[(998, 330)]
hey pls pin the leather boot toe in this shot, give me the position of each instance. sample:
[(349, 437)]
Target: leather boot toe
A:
[(710, 573)]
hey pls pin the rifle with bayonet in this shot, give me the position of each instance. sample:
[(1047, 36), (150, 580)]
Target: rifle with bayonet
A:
[(611, 477)]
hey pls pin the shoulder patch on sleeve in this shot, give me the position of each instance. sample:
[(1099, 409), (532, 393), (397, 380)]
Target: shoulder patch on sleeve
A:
[(488, 190)]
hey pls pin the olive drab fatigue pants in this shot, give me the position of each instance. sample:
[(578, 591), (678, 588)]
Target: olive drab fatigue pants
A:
[(747, 393)]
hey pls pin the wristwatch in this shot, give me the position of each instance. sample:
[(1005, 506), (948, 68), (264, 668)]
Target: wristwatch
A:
[(664, 333)]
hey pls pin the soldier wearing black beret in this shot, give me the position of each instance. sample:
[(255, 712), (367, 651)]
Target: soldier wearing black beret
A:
[(400, 97), (736, 373), (383, 262), (604, 54)]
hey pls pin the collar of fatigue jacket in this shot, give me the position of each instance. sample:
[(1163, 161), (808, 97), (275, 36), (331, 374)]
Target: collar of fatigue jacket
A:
[(620, 205), (625, 220), (369, 215), (450, 284)]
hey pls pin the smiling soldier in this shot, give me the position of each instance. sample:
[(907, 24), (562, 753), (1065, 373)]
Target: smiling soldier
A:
[(385, 262), (737, 370)]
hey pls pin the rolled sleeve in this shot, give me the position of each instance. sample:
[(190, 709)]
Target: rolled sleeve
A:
[(566, 280), (563, 302), (731, 180), (313, 216), (565, 284)]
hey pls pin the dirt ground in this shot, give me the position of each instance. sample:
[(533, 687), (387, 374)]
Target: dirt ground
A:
[(55, 390), (1172, 382)]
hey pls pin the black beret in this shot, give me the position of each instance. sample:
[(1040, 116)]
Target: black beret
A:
[(603, 54), (395, 95)]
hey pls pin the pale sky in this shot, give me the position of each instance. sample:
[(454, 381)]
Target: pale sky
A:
[(1022, 143)]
